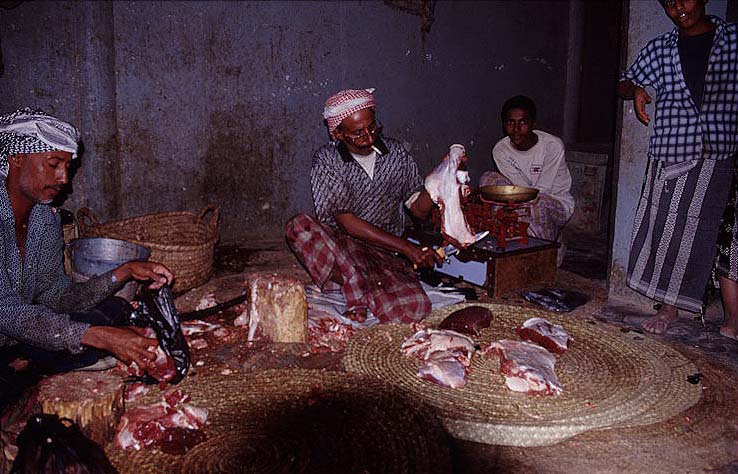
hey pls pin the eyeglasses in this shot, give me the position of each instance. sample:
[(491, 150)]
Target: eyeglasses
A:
[(374, 129)]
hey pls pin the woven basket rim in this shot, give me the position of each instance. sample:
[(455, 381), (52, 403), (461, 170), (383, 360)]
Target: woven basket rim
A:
[(114, 227)]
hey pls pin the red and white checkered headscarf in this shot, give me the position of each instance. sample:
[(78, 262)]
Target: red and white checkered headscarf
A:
[(344, 104)]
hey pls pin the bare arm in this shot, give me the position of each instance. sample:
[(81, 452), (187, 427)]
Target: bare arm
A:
[(422, 206), (366, 232), (629, 91), (126, 344)]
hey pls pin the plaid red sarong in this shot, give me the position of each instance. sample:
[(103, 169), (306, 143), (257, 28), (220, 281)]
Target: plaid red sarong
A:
[(372, 278)]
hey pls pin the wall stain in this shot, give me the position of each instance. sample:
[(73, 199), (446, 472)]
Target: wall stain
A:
[(242, 171)]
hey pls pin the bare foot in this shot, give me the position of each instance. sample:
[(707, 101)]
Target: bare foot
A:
[(358, 315), (658, 323)]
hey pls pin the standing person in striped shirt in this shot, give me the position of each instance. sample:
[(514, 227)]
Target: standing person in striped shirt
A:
[(362, 184), (694, 72)]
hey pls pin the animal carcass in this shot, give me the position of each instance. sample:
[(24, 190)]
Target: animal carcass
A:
[(445, 185)]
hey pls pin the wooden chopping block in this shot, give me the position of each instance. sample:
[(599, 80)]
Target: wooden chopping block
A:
[(93, 400), (277, 308)]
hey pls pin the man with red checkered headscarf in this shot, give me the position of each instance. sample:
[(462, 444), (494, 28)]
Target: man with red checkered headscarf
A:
[(363, 183)]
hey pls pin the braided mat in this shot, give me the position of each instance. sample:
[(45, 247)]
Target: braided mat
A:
[(302, 421), (610, 379)]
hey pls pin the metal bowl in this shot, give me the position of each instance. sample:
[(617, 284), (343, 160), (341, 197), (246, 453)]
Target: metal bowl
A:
[(508, 193)]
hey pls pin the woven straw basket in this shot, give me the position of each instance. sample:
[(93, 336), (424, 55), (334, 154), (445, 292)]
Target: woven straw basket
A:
[(182, 240)]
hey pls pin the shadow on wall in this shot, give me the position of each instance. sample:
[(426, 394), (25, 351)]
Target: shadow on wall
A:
[(242, 161)]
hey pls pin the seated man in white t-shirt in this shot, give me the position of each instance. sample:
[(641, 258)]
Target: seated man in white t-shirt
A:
[(532, 158)]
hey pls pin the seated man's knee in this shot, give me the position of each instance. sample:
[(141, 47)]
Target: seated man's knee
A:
[(297, 224), (493, 178)]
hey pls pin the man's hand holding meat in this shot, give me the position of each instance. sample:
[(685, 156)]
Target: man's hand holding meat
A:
[(127, 344)]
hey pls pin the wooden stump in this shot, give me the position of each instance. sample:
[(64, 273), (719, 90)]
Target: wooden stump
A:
[(277, 308), (93, 400)]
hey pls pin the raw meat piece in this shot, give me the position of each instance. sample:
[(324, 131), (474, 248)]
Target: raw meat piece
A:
[(543, 332), (326, 334), (135, 391), (164, 369), (444, 369), (180, 440), (527, 367), (221, 333), (468, 320), (207, 301), (444, 184), (146, 425), (446, 354), (198, 326), (198, 344), (174, 397), (424, 343)]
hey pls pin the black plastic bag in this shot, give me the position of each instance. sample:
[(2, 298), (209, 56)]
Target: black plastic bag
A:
[(553, 299), (50, 445), (156, 310)]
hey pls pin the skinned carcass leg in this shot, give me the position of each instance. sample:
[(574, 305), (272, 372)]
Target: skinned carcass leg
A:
[(445, 184)]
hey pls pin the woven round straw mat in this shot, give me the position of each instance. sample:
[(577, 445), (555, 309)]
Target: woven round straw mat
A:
[(302, 421), (610, 378)]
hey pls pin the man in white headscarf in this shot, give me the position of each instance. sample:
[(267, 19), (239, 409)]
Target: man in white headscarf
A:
[(46, 319)]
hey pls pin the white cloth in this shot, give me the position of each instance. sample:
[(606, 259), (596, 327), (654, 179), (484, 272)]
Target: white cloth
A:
[(333, 303), (55, 133), (34, 131), (542, 167), (367, 162)]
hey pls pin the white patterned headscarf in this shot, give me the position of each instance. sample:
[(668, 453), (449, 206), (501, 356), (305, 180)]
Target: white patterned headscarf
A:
[(34, 131)]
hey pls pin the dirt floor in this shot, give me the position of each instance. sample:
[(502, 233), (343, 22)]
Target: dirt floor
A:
[(702, 439)]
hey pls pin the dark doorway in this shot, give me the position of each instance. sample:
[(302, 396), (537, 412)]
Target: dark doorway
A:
[(594, 68)]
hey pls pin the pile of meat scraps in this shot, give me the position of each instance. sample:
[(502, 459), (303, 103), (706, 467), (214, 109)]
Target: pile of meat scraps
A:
[(528, 367), (446, 355), (172, 424), (327, 333)]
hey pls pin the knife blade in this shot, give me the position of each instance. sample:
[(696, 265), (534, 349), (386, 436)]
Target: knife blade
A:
[(450, 249)]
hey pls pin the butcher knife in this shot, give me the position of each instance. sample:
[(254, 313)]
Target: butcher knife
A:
[(450, 249)]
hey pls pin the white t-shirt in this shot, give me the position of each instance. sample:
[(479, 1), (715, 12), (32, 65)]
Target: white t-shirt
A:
[(542, 167), (367, 162)]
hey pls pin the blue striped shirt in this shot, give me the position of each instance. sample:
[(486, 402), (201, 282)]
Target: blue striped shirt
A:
[(35, 295), (682, 133)]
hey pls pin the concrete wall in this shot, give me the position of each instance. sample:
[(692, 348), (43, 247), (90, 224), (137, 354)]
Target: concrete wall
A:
[(186, 103), (646, 21)]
